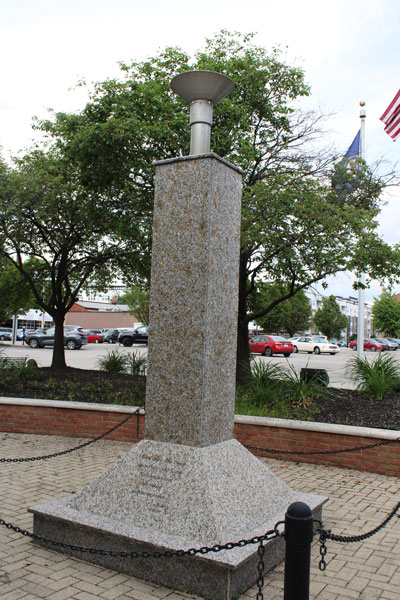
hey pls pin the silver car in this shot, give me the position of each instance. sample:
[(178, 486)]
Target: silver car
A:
[(73, 338)]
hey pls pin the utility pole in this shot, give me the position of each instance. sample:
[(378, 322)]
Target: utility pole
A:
[(360, 320)]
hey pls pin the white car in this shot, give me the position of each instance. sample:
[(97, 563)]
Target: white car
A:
[(314, 344)]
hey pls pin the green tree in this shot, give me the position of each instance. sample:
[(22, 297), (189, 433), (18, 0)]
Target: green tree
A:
[(386, 315), (328, 319), (296, 225), (80, 237), (138, 300), (15, 293), (291, 315)]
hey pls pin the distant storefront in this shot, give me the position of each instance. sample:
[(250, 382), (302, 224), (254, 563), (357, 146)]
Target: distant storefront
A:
[(34, 319), (99, 315)]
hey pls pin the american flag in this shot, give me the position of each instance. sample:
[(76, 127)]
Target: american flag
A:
[(391, 117)]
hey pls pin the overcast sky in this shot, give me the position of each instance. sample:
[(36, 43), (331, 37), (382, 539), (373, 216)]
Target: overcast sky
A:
[(349, 50)]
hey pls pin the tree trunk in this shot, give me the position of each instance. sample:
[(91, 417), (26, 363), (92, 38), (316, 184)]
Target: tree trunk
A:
[(58, 361), (243, 349)]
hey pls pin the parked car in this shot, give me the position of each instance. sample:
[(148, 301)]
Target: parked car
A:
[(388, 343), (140, 335), (314, 344), (369, 344), (271, 344), (5, 333), (394, 340), (73, 328), (93, 335), (110, 336), (73, 338), (38, 330)]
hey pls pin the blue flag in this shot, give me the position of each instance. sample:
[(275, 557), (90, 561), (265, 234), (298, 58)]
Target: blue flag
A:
[(354, 151)]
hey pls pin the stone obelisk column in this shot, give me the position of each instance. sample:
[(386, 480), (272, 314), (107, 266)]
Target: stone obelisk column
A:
[(188, 483), (193, 309)]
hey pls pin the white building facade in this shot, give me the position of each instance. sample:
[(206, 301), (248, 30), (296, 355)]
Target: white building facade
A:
[(349, 308)]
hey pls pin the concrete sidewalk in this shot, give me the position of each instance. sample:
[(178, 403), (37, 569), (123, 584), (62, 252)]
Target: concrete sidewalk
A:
[(358, 502)]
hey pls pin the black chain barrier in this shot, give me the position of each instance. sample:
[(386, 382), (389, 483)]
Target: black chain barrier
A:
[(326, 534), (88, 443), (258, 539), (321, 452)]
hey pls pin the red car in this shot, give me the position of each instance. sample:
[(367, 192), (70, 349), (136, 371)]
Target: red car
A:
[(271, 344), (369, 344), (93, 335)]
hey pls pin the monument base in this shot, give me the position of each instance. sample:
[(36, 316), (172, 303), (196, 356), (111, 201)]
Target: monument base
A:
[(163, 496)]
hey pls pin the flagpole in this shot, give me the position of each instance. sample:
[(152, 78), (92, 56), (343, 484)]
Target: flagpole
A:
[(360, 320)]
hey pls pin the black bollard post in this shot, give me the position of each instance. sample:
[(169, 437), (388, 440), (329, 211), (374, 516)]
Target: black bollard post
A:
[(298, 536)]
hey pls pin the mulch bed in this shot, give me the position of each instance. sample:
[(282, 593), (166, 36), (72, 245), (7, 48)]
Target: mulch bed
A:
[(349, 407), (78, 385), (339, 406)]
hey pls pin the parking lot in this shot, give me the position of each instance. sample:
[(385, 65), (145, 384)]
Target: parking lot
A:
[(88, 357)]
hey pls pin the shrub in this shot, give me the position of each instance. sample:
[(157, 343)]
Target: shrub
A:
[(376, 379), (21, 370), (301, 390), (113, 362), (274, 391), (135, 364), (264, 382)]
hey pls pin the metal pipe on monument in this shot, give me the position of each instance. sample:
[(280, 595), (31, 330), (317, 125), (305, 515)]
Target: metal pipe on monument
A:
[(201, 89)]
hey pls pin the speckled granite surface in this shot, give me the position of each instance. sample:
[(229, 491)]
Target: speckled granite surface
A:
[(193, 312), (171, 496), (184, 495)]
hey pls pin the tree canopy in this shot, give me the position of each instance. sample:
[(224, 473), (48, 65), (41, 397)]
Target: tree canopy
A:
[(386, 315), (60, 236), (138, 300), (329, 320), (302, 218), (292, 315), (15, 292)]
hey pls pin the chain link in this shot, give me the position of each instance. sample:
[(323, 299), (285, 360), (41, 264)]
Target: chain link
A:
[(321, 452), (322, 551), (88, 443), (326, 534), (258, 539), (260, 569)]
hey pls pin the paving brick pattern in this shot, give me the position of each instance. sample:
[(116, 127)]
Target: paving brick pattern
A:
[(358, 502)]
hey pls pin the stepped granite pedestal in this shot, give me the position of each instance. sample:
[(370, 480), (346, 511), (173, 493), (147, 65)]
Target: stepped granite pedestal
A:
[(188, 484)]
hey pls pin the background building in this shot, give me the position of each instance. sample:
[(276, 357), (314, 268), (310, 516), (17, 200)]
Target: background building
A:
[(349, 308)]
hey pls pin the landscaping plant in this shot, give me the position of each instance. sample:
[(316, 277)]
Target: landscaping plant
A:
[(377, 379), (135, 364), (113, 362), (274, 391)]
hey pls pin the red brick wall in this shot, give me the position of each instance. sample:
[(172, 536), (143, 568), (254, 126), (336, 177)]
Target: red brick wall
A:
[(45, 420), (69, 422), (382, 459)]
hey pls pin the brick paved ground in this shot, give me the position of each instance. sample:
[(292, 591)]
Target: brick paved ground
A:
[(358, 502)]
